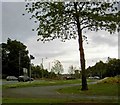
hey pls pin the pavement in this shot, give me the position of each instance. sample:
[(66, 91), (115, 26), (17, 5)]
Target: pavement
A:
[(48, 92)]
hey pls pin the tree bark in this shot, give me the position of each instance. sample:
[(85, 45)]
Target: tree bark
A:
[(82, 61), (82, 57)]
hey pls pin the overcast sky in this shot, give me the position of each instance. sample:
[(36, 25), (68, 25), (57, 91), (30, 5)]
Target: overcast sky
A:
[(101, 45)]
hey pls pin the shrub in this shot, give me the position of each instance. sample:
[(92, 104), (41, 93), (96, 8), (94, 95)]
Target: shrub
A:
[(110, 80)]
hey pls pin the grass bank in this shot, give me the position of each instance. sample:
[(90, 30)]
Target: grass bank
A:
[(106, 87)]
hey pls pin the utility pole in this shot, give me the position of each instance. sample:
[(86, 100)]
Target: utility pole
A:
[(30, 70), (19, 61), (49, 65), (42, 67)]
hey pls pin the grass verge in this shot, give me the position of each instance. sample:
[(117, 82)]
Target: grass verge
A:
[(42, 83), (106, 87), (94, 90), (53, 101)]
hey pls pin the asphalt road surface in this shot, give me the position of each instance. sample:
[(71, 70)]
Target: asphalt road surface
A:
[(47, 92), (8, 82)]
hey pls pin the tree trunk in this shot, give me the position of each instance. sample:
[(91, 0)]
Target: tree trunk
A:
[(82, 61), (82, 57)]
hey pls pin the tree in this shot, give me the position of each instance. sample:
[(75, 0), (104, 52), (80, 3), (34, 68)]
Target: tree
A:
[(109, 69), (36, 71), (14, 57), (57, 68), (100, 68), (67, 20), (71, 69), (77, 74), (113, 67)]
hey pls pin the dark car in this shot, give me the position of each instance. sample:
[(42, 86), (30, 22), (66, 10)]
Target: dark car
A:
[(11, 78), (24, 78)]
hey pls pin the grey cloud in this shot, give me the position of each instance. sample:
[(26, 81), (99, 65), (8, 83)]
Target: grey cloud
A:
[(50, 54), (71, 61), (14, 24), (105, 38)]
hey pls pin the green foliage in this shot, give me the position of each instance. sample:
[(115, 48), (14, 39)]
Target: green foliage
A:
[(58, 67), (59, 19), (71, 69), (111, 80), (109, 69), (38, 70), (113, 67), (99, 69), (11, 51)]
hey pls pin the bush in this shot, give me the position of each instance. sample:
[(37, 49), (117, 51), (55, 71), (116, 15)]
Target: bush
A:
[(110, 80)]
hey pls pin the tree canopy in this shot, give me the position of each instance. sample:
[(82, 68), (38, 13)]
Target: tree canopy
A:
[(58, 19), (109, 69), (14, 57), (57, 67)]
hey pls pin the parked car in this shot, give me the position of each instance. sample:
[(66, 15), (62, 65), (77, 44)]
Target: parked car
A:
[(95, 77), (24, 78), (70, 78), (91, 77), (11, 78)]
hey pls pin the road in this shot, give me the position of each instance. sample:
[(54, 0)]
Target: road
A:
[(47, 92), (8, 82)]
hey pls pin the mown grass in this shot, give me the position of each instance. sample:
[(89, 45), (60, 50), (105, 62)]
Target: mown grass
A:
[(32, 100), (53, 101), (105, 87), (42, 83), (94, 90)]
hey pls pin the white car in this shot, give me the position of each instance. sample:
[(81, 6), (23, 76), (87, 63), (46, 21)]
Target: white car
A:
[(11, 78), (96, 77), (91, 77)]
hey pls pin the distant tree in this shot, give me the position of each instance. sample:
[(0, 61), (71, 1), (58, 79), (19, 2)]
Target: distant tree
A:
[(109, 69), (14, 57), (52, 75), (113, 67), (77, 74), (36, 71), (67, 20), (71, 70), (100, 69), (39, 72), (57, 67)]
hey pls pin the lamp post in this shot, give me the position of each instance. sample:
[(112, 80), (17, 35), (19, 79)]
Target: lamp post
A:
[(19, 61), (42, 67)]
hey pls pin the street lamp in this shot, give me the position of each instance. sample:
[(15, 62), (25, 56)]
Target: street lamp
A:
[(42, 66), (19, 61)]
